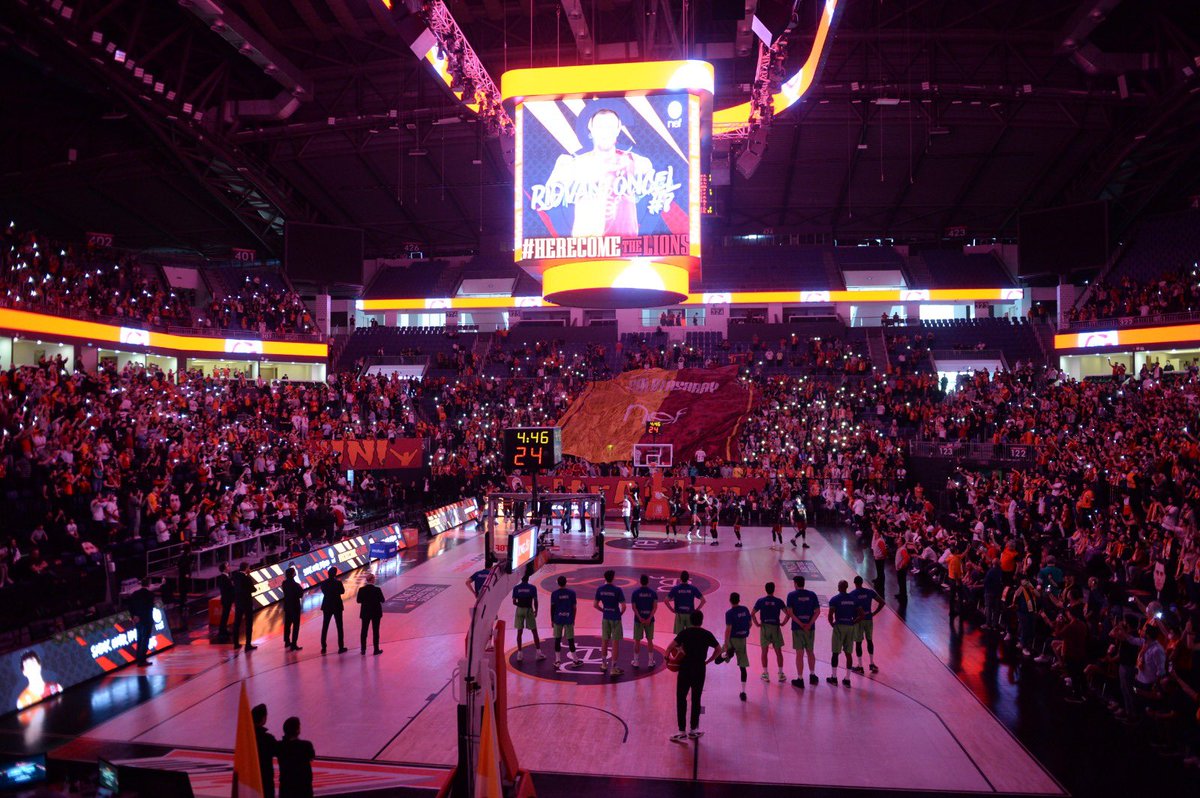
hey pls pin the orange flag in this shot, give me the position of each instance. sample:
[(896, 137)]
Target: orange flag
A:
[(487, 765), (247, 778)]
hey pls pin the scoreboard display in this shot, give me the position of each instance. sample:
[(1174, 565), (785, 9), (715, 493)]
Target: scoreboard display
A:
[(532, 449)]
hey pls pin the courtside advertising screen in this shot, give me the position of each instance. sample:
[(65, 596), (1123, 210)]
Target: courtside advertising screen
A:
[(31, 674), (608, 173)]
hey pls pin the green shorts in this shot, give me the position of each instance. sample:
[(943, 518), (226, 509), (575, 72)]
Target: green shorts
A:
[(682, 621), (769, 634), (525, 618), (738, 646), (641, 630), (566, 630), (611, 630), (804, 639), (864, 630), (843, 638)]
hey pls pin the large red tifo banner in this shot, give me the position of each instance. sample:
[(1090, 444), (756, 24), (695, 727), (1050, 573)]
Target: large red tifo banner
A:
[(688, 409), (371, 453)]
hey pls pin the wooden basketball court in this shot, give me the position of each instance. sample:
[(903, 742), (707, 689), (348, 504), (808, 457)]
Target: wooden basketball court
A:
[(912, 726)]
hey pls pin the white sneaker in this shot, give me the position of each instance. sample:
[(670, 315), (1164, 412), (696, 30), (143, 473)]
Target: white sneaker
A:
[(540, 655), (520, 655), (557, 662), (782, 678), (680, 737), (766, 677), (604, 665), (634, 662)]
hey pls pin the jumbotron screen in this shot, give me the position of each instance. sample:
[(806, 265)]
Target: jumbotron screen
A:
[(607, 177), (607, 172)]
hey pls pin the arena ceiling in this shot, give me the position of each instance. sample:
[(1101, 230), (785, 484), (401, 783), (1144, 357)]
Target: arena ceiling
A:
[(927, 115)]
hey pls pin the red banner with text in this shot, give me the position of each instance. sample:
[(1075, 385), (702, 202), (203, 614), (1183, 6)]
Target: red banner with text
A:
[(370, 453)]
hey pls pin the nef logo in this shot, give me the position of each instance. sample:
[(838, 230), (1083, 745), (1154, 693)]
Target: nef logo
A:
[(135, 337), (242, 346), (1107, 338), (675, 115), (646, 544), (591, 664)]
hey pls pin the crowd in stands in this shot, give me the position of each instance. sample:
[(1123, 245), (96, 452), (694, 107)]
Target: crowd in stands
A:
[(810, 355), (1086, 558), (83, 281), (71, 280), (1175, 291), (258, 307), (908, 353)]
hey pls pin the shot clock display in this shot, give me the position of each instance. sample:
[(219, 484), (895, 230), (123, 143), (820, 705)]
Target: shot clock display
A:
[(532, 448)]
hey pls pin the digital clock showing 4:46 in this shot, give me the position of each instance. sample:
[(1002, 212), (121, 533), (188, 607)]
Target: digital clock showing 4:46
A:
[(532, 448)]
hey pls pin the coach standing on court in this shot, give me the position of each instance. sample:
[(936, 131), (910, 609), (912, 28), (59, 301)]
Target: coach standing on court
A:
[(332, 607), (243, 605), (695, 642), (370, 599)]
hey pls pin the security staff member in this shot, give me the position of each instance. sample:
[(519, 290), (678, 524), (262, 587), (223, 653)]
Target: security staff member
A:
[(370, 600), (243, 605)]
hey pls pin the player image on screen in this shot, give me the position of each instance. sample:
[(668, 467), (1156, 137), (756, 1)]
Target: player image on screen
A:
[(37, 688), (615, 169), (602, 180)]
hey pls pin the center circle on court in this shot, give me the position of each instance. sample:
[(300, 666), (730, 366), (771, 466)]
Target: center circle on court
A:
[(645, 544), (590, 671), (585, 581)]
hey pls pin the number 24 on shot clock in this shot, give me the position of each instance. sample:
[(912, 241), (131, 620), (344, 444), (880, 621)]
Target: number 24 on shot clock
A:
[(532, 448)]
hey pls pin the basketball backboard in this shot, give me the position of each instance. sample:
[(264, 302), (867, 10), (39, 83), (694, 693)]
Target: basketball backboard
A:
[(653, 455)]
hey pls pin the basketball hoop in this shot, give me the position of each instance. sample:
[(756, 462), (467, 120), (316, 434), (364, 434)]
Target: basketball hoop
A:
[(653, 455)]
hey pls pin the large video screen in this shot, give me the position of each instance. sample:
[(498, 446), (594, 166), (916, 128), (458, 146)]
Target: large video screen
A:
[(31, 674), (452, 515), (608, 177), (345, 555)]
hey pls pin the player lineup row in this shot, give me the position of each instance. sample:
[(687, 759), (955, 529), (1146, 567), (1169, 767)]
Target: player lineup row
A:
[(850, 615)]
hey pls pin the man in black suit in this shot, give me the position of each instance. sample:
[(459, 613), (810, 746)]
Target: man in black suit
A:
[(370, 599), (243, 605), (225, 589), (292, 594), (267, 746), (141, 607), (331, 607), (295, 762)]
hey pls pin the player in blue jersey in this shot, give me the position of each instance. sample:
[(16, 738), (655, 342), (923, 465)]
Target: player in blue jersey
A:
[(684, 599), (525, 599), (610, 601), (737, 631), (844, 612), (865, 628), (645, 601), (562, 615), (804, 608), (476, 580), (768, 616)]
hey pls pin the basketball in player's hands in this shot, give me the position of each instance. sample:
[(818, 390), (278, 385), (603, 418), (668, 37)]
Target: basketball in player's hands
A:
[(675, 658)]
